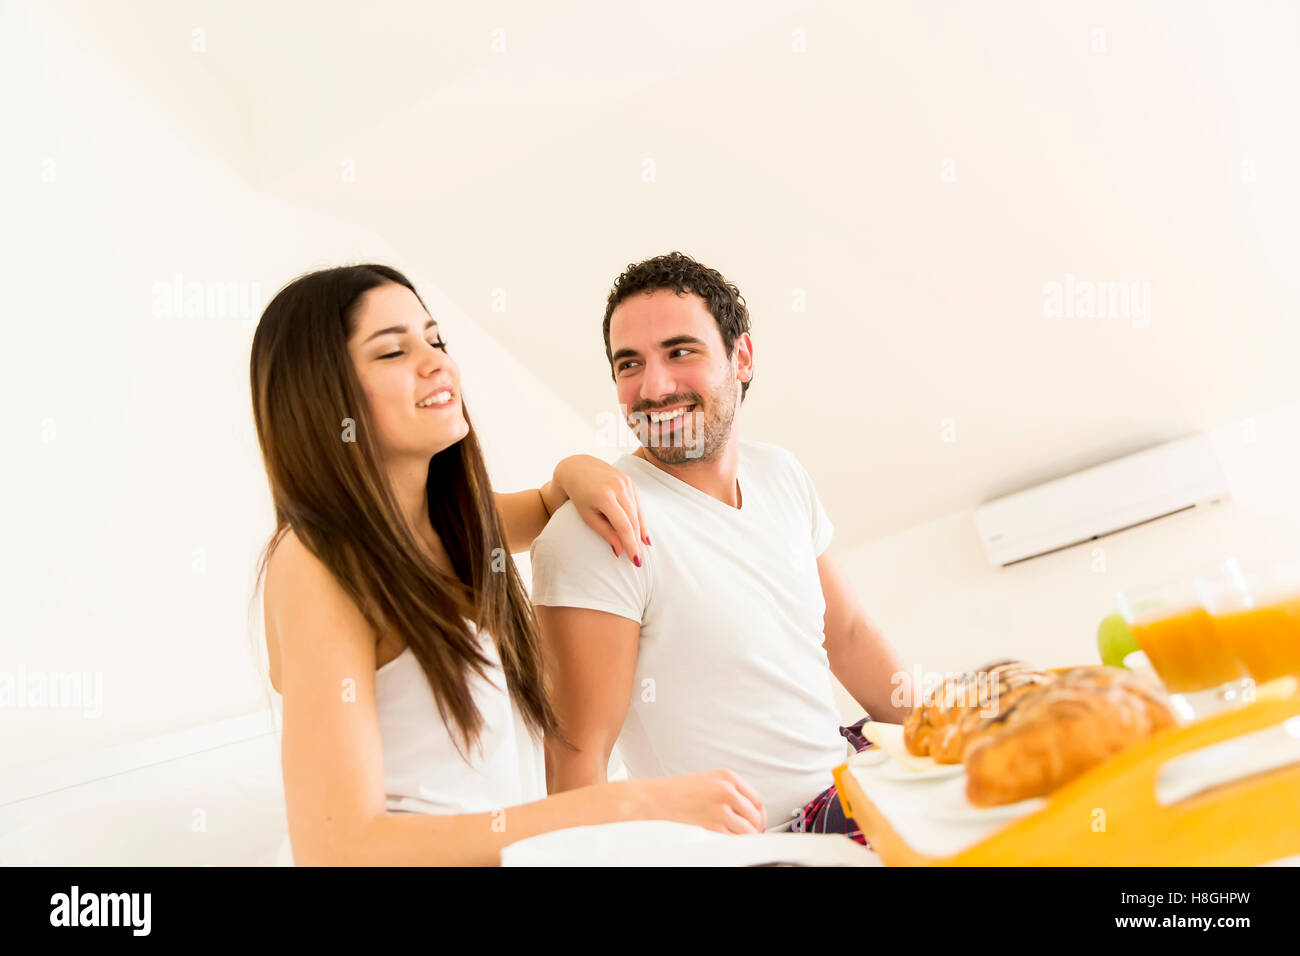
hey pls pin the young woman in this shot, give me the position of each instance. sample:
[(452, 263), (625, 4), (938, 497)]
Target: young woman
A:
[(399, 634)]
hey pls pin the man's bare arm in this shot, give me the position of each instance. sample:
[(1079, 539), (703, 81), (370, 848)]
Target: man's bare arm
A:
[(591, 658), (860, 656)]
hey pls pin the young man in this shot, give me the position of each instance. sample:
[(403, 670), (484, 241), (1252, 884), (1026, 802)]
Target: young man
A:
[(717, 645)]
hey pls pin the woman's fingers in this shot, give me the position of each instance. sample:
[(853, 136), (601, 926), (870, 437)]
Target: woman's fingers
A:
[(598, 523), (744, 807), (610, 522), (621, 514), (632, 508), (755, 801), (737, 823), (606, 499), (643, 532)]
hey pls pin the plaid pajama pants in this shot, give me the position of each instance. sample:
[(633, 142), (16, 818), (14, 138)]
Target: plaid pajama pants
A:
[(824, 813)]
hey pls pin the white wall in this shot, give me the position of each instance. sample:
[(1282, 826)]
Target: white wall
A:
[(134, 499), (944, 607)]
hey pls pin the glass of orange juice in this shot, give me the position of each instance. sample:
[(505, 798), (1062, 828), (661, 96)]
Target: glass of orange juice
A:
[(1191, 656), (1258, 613)]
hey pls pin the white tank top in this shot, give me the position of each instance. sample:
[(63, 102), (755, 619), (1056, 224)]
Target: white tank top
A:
[(423, 770)]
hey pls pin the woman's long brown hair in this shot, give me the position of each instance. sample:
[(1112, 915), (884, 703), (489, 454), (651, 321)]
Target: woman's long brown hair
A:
[(336, 496)]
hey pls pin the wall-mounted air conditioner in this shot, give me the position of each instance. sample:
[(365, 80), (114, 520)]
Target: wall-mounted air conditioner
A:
[(1102, 500)]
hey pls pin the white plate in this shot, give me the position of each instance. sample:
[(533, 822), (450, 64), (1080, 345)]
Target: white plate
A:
[(948, 802), (902, 765), (869, 758), (895, 770)]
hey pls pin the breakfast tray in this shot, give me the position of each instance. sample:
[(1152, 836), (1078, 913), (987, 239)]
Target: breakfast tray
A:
[(1110, 816)]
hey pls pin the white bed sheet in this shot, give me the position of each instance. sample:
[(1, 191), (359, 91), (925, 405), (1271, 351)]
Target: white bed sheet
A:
[(221, 807)]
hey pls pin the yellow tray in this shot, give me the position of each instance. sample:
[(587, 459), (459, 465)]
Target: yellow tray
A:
[(1239, 823)]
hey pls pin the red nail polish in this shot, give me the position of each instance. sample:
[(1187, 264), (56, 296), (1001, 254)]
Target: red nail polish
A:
[(647, 539), (614, 549), (637, 560)]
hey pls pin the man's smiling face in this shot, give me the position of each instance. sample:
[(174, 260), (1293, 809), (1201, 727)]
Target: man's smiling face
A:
[(673, 374)]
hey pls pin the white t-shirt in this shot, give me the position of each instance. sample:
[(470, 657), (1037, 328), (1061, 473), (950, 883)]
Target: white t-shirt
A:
[(730, 671)]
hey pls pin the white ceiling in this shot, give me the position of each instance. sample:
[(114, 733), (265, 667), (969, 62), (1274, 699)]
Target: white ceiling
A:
[(1171, 157)]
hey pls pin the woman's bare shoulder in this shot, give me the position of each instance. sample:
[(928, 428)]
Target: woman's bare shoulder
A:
[(288, 561), (292, 569), (302, 598)]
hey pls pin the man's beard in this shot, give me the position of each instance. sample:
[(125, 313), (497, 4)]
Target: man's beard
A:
[(699, 435)]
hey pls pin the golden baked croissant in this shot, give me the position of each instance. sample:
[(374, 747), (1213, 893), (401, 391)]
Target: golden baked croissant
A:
[(1048, 737), (939, 726)]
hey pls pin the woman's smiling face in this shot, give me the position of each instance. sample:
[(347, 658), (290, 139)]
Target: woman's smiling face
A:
[(411, 383)]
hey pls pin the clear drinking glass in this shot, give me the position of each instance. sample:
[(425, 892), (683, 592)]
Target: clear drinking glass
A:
[(1192, 657), (1257, 610)]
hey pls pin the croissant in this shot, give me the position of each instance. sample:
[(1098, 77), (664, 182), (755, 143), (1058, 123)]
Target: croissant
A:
[(1046, 738), (940, 725)]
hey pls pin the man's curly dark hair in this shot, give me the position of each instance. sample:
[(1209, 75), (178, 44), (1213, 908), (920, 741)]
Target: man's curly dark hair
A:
[(682, 274)]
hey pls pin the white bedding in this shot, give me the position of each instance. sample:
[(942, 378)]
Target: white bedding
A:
[(222, 807)]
